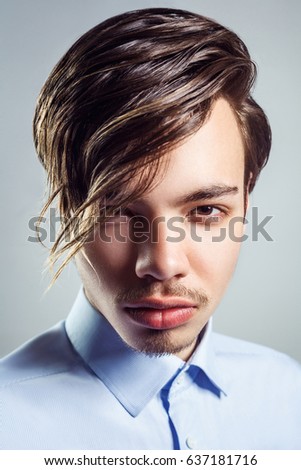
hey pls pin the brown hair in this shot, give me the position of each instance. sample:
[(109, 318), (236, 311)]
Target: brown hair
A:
[(128, 90)]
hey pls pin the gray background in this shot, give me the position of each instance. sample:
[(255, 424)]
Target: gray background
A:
[(263, 301)]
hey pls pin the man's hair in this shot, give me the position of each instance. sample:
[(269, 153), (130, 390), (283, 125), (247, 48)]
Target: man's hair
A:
[(128, 91)]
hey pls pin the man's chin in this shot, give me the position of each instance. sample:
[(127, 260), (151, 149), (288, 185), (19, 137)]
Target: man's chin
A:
[(162, 343)]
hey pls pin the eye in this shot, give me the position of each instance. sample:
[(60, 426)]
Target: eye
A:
[(204, 210), (205, 213)]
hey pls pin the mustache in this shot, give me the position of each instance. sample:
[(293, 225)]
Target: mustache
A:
[(177, 290)]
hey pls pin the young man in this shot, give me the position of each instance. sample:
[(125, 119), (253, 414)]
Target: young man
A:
[(152, 143)]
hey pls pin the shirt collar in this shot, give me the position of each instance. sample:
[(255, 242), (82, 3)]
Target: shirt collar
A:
[(119, 367)]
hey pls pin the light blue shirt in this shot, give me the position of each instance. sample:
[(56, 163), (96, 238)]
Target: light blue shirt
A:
[(78, 386)]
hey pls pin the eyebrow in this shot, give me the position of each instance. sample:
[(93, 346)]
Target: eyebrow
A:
[(208, 193)]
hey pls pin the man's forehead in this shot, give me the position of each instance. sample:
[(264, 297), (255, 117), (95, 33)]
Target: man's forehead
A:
[(207, 164)]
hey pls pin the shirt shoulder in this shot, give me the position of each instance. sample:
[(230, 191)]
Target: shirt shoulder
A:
[(46, 354), (244, 358), (229, 345)]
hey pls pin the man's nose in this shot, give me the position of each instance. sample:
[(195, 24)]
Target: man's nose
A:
[(162, 256)]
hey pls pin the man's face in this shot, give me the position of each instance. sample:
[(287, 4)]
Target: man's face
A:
[(159, 288)]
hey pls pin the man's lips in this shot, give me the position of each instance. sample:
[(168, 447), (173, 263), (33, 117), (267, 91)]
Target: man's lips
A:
[(160, 313)]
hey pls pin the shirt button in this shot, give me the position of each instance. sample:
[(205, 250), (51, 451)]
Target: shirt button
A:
[(191, 443), (180, 379)]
